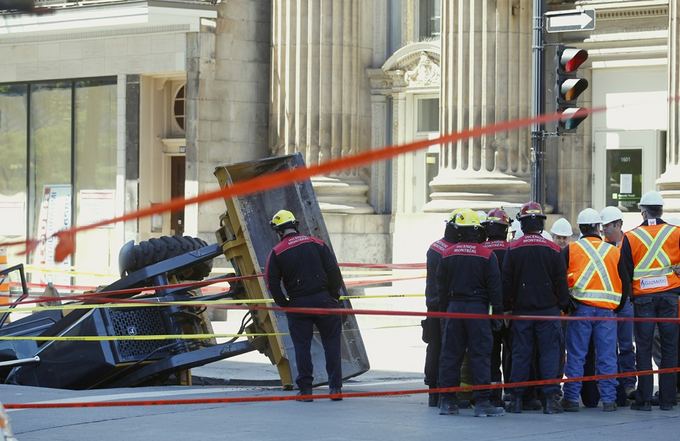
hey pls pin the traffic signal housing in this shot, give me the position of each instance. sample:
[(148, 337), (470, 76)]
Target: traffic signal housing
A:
[(569, 87)]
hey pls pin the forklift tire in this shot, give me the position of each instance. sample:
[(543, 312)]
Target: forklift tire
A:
[(148, 252)]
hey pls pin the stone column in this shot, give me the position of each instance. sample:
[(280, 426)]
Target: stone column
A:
[(320, 103), (486, 71), (669, 182)]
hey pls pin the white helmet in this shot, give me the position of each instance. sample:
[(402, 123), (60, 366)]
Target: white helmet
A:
[(651, 198), (482, 216), (588, 216), (610, 214), (546, 235), (562, 227)]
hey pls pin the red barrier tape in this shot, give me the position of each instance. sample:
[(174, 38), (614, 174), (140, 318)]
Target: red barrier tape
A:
[(226, 400), (66, 238)]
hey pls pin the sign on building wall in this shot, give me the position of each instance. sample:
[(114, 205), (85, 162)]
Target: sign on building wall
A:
[(54, 216)]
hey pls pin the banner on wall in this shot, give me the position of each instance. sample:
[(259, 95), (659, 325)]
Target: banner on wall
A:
[(54, 215)]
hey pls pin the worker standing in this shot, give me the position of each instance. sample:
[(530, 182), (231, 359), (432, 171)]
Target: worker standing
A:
[(496, 226), (594, 275), (534, 283), (612, 224), (561, 232), (432, 325), (652, 254), (312, 279), (468, 281)]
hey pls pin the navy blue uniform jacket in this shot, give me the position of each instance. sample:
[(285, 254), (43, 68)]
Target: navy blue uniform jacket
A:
[(469, 272), (534, 276), (305, 265)]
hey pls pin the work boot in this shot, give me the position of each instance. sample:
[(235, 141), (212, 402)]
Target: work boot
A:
[(302, 393), (645, 406), (552, 405), (433, 400), (608, 407), (666, 406), (532, 404), (484, 408), (447, 406), (515, 405), (335, 391), (569, 406)]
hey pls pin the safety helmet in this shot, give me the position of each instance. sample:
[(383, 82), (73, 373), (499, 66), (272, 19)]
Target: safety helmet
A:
[(283, 219), (610, 214), (588, 216), (452, 216), (531, 209), (467, 218), (482, 216), (651, 198), (562, 227), (515, 226), (498, 216)]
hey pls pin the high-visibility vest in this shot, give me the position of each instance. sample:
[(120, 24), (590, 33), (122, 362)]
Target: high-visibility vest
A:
[(593, 274), (655, 250)]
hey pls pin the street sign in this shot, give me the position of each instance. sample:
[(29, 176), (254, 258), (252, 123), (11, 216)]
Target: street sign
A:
[(570, 21)]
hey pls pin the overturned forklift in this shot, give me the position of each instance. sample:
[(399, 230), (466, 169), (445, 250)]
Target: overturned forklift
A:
[(101, 354)]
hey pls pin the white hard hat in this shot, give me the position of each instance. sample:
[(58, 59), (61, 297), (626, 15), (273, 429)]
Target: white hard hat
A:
[(588, 216), (651, 198), (546, 235), (515, 226), (562, 227), (610, 214), (482, 216)]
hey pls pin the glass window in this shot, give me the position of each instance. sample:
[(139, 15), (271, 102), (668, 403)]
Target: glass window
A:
[(429, 19), (178, 107), (13, 138), (428, 115), (50, 146)]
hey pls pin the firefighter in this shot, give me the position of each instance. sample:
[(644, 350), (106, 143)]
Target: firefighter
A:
[(496, 226), (594, 274), (612, 224), (468, 281), (432, 325), (311, 278), (535, 283), (561, 232), (652, 255)]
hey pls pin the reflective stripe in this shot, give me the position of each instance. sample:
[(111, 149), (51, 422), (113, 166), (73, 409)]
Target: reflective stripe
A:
[(603, 296), (596, 264), (654, 253)]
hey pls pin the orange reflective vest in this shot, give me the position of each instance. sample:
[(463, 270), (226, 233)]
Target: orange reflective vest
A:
[(655, 251), (593, 274)]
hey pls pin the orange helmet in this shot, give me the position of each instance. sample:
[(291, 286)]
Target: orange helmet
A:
[(531, 209), (497, 216)]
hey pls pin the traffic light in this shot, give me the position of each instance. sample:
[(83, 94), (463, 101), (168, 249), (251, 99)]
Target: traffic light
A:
[(569, 87)]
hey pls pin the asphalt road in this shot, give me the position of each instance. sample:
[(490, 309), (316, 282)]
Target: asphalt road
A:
[(392, 418)]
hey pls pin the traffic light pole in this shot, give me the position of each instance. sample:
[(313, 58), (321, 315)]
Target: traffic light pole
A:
[(537, 103)]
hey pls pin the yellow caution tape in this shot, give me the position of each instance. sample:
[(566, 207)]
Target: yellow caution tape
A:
[(135, 337)]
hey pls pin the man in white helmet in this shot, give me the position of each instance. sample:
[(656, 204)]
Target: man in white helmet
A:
[(594, 274), (652, 252), (561, 232), (612, 223)]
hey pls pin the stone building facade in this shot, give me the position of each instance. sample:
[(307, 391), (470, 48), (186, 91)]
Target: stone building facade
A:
[(193, 85)]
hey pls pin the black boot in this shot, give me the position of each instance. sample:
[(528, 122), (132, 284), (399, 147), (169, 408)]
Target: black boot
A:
[(433, 400), (306, 393), (515, 404), (552, 405), (484, 408), (447, 405)]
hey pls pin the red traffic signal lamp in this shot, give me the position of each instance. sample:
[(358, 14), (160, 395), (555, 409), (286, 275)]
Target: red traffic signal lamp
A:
[(569, 87)]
